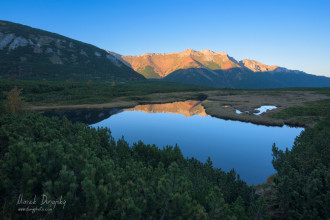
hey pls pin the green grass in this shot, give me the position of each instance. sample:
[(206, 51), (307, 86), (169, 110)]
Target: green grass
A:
[(212, 65), (309, 113), (148, 72)]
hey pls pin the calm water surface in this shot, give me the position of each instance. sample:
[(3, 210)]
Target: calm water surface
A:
[(230, 144)]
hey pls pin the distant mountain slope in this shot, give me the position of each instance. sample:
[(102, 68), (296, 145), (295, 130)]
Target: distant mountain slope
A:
[(29, 53), (232, 78), (240, 78), (217, 69)]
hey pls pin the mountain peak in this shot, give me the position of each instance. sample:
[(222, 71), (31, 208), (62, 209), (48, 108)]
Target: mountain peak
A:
[(208, 52), (187, 52), (147, 54), (205, 52)]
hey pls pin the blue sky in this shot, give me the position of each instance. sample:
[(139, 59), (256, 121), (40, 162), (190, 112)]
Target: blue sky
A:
[(293, 34)]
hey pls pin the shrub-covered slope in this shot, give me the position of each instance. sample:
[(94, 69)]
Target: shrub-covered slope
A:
[(30, 53)]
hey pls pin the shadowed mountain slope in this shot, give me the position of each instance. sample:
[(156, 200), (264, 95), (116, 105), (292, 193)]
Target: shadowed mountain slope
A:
[(30, 53)]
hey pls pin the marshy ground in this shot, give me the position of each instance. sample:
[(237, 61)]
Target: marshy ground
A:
[(221, 104)]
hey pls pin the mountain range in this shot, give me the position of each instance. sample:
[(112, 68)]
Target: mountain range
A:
[(218, 69), (30, 53)]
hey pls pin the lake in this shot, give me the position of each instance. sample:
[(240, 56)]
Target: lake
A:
[(246, 147)]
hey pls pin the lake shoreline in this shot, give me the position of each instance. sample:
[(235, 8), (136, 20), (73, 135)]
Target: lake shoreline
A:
[(263, 119), (219, 104)]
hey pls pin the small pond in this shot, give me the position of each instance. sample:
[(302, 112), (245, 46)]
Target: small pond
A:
[(264, 108), (261, 109)]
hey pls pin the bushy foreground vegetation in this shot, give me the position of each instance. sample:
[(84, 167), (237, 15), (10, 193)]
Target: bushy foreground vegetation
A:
[(99, 178), (302, 184)]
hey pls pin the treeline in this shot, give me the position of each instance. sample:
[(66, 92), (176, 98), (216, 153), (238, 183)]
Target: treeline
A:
[(103, 179), (49, 92)]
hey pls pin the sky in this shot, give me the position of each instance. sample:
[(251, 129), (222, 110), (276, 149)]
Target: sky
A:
[(293, 34)]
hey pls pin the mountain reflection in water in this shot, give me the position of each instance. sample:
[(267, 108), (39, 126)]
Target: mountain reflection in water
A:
[(186, 108)]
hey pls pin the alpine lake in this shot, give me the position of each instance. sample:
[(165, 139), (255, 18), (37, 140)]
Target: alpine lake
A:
[(242, 146)]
